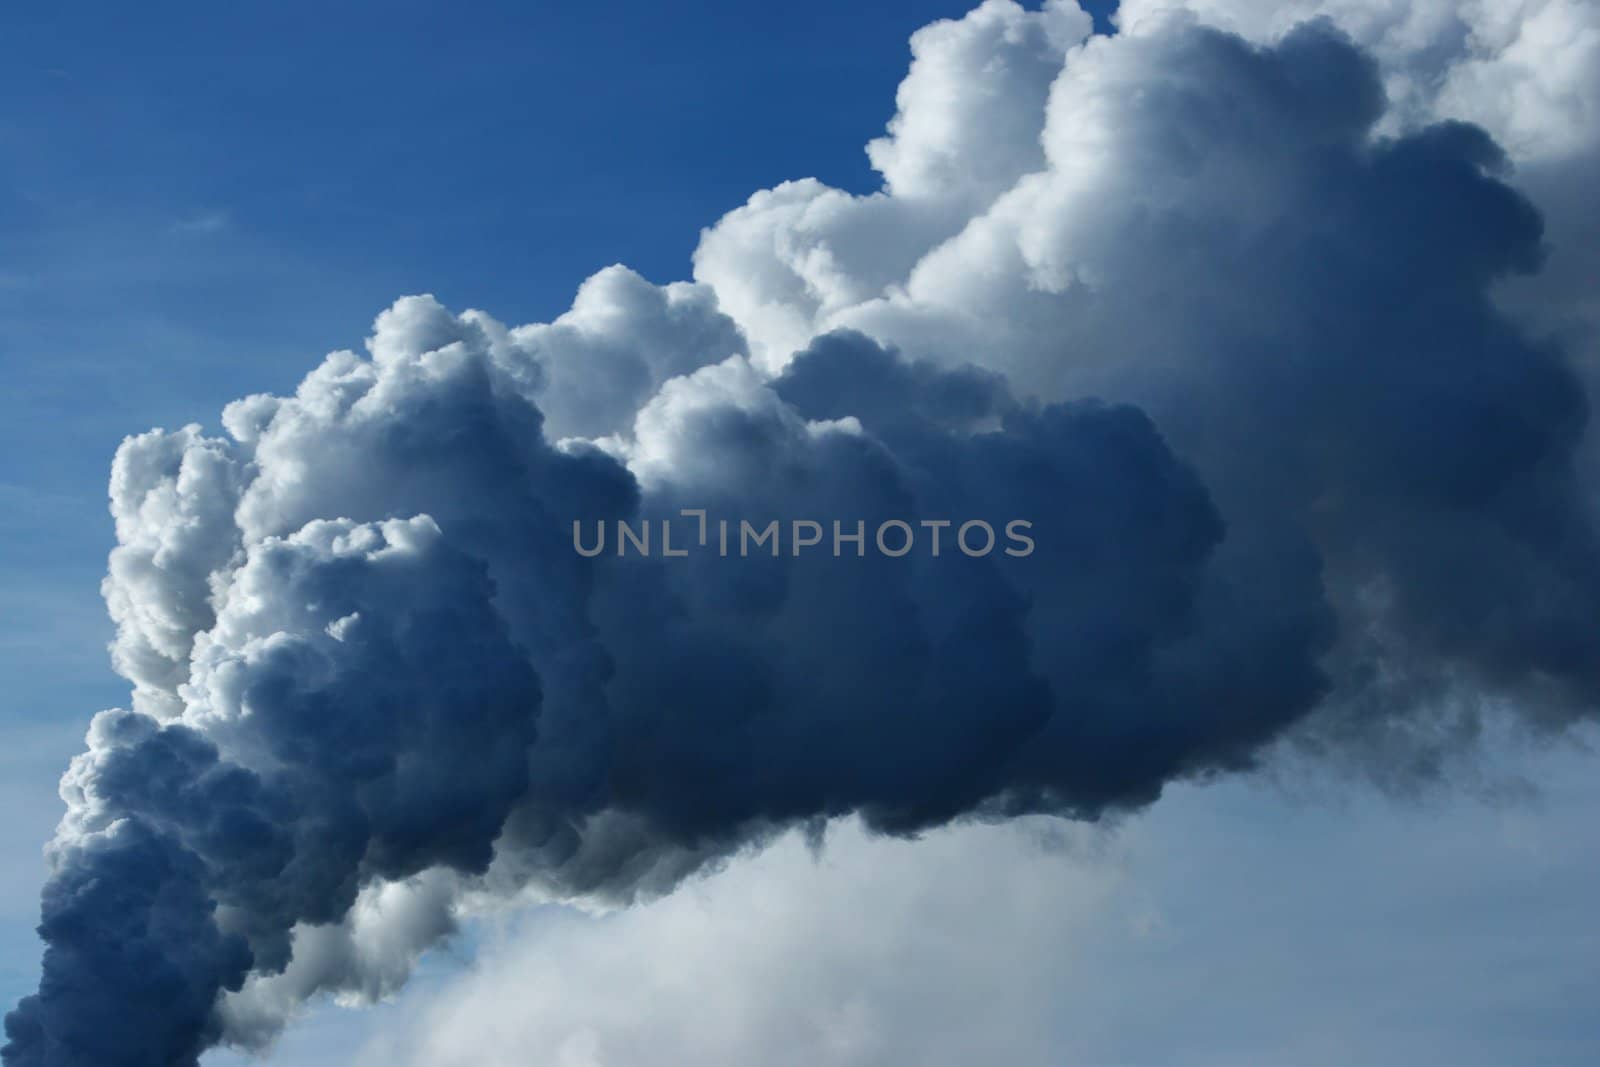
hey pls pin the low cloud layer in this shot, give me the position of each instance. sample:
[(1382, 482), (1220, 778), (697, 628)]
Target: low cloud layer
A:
[(1215, 313), (1228, 925)]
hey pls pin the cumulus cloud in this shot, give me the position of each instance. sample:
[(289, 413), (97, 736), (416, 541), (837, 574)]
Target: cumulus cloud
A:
[(1223, 235), (1528, 71), (302, 768), (622, 340), (1214, 314)]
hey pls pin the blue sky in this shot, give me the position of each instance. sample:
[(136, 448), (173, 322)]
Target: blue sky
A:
[(195, 207)]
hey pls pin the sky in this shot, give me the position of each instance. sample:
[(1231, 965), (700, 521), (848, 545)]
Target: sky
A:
[(1379, 846)]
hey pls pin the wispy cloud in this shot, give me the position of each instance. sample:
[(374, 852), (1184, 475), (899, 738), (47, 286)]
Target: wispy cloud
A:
[(204, 223)]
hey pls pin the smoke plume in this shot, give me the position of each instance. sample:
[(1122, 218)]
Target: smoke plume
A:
[(1213, 313)]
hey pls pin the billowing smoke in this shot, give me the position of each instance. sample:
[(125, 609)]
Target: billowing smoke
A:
[(1209, 317)]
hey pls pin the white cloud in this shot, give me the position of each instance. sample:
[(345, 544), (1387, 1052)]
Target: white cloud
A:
[(1527, 70), (873, 951), (1231, 924)]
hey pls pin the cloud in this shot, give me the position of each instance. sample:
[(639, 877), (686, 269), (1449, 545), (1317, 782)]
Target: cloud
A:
[(1204, 310), (1528, 71), (1230, 924), (789, 957), (304, 767), (621, 341), (203, 224), (1220, 237)]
